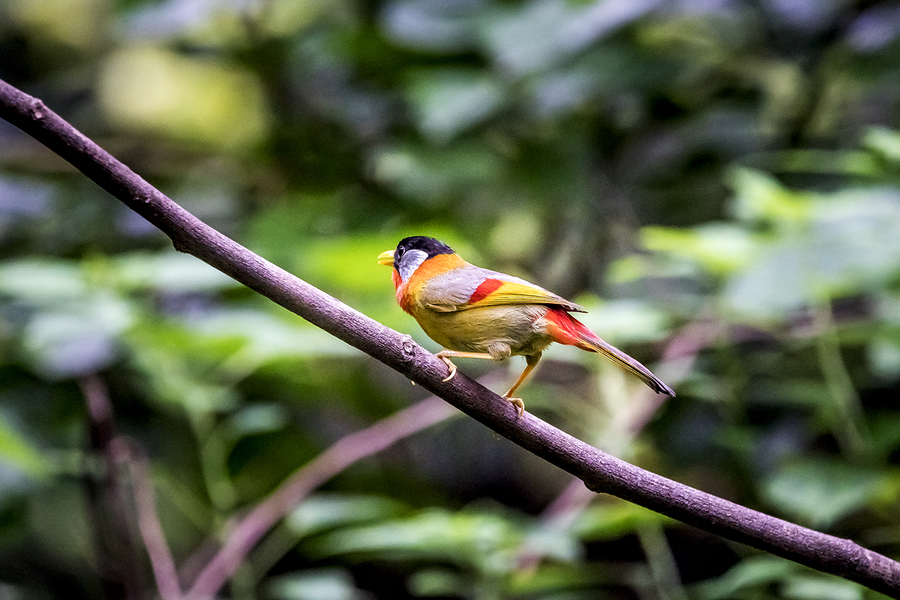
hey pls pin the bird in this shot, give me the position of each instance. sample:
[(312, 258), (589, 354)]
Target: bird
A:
[(478, 313)]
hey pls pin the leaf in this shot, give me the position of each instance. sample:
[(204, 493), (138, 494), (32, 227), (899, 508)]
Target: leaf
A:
[(848, 242), (885, 142), (42, 281), (77, 339), (18, 452), (719, 248), (820, 492), (434, 177), (759, 197), (170, 272), (433, 25), (196, 100), (772, 286), (610, 520), (323, 511), (750, 573), (544, 33), (813, 587), (478, 540), (255, 419), (317, 584), (439, 582), (447, 102), (626, 320)]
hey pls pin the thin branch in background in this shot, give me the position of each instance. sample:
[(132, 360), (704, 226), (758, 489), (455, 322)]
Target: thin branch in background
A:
[(117, 556), (661, 562), (247, 531), (600, 471), (678, 358), (343, 453), (847, 419), (129, 454), (677, 361)]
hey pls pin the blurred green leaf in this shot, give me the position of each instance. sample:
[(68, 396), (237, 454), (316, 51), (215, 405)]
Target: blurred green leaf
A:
[(812, 587), (885, 142), (323, 512), (848, 242), (433, 24), (175, 369), (755, 572), (348, 263), (263, 337), (773, 286), (468, 539), (16, 451), (431, 177), (77, 339), (256, 419), (171, 272), (542, 33), (615, 519), (439, 582), (820, 492), (719, 248), (532, 37), (760, 198), (625, 321), (42, 281), (448, 102), (323, 584), (83, 27), (202, 101)]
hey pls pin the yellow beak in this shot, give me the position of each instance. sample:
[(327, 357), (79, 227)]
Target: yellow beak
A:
[(386, 258)]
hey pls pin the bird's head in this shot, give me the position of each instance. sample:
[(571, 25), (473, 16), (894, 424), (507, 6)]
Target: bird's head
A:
[(412, 252)]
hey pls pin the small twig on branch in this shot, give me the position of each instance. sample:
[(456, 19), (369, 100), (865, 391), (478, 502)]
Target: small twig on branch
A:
[(601, 472)]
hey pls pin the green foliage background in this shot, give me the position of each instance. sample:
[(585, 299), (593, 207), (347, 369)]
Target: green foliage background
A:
[(717, 181)]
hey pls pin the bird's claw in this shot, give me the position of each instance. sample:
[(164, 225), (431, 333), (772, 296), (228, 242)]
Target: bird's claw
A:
[(450, 366), (518, 403)]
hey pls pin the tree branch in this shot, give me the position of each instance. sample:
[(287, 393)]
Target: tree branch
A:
[(601, 472)]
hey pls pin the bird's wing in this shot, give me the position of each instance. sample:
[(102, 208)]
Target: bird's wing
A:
[(473, 287)]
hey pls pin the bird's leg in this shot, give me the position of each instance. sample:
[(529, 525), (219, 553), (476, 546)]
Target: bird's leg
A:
[(445, 355), (530, 363)]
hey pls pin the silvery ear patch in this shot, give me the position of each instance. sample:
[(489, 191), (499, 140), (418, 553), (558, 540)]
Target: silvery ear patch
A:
[(409, 262)]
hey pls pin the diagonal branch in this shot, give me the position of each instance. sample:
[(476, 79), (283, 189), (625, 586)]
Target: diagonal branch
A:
[(253, 526), (601, 472), (128, 453)]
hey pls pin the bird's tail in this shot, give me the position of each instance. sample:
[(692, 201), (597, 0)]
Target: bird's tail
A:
[(566, 329)]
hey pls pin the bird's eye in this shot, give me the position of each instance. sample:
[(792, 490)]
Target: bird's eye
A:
[(399, 252)]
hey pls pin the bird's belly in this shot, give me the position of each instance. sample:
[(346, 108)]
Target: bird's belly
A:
[(500, 331)]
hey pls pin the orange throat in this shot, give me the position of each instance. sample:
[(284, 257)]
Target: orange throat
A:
[(400, 287)]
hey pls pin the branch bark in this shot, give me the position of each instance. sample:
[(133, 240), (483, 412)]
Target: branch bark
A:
[(600, 472)]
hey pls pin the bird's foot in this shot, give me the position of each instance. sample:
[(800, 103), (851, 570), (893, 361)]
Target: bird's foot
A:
[(517, 402), (450, 366)]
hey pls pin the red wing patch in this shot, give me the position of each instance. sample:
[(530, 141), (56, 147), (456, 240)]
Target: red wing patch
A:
[(487, 287)]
